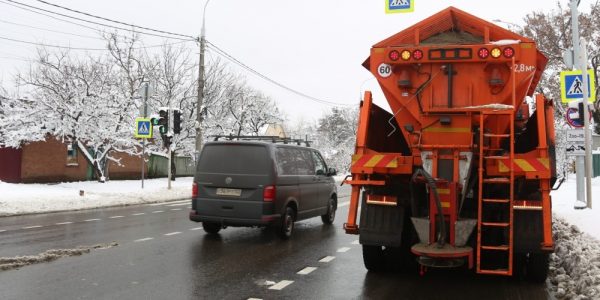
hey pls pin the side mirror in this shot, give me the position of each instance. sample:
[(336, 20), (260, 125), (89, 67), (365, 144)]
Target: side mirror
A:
[(332, 172)]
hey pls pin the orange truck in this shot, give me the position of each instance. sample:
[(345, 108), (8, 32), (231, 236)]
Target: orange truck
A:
[(458, 172)]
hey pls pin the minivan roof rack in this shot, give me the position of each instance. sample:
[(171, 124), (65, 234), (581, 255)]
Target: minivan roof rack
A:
[(272, 138)]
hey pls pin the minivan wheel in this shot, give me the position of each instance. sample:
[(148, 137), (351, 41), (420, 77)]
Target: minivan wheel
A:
[(287, 224), (212, 228), (329, 217)]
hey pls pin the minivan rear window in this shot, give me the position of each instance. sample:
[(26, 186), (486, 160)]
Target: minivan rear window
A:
[(234, 159)]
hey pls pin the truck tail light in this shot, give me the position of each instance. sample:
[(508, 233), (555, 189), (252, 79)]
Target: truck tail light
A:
[(483, 53), (417, 54), (508, 52), (496, 52), (194, 190), (394, 55), (269, 193), (406, 55)]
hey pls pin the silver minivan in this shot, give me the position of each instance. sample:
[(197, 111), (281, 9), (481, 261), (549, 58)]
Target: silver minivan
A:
[(255, 183)]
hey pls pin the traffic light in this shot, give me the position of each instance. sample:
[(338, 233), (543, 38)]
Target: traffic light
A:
[(163, 121), (176, 121)]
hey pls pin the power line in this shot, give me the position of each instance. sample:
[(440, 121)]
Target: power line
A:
[(50, 30), (77, 48), (101, 24), (114, 21), (239, 63)]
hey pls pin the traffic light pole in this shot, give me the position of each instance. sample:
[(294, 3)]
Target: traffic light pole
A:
[(145, 114)]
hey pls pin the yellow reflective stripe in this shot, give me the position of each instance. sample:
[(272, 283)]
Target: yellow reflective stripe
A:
[(373, 161), (545, 162), (445, 204), (392, 164), (524, 165), (355, 158), (443, 191), (502, 167), (448, 129)]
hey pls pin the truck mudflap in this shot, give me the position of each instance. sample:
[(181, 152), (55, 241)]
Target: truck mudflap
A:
[(381, 225)]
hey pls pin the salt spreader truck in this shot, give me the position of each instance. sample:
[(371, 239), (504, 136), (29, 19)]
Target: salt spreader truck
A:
[(459, 171)]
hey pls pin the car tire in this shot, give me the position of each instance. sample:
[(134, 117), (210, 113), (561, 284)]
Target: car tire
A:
[(537, 267), (211, 228), (286, 226), (374, 258), (329, 217)]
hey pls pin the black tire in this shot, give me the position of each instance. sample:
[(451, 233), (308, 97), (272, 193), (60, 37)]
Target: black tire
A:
[(329, 217), (211, 228), (374, 258), (537, 267), (286, 227)]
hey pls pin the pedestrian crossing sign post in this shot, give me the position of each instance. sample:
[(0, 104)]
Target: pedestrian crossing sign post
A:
[(143, 128), (399, 6), (571, 86)]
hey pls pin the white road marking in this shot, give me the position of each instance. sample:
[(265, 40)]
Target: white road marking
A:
[(115, 217), (64, 223), (157, 211), (343, 249), (175, 208), (281, 285), (178, 204), (254, 298), (355, 242), (138, 214), (327, 259), (91, 220), (344, 204), (173, 233), (34, 226), (3, 230), (144, 239), (306, 271), (196, 228)]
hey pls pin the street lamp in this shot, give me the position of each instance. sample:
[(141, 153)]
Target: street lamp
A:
[(199, 117)]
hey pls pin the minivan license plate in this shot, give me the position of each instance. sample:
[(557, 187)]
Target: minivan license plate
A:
[(229, 192)]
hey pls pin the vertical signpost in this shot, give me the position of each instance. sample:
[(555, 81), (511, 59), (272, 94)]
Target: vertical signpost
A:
[(143, 126)]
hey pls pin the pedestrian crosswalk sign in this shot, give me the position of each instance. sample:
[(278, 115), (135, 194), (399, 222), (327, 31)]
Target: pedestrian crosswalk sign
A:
[(571, 86), (143, 128), (399, 6)]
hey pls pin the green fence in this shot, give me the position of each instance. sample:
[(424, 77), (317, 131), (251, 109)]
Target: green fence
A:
[(596, 165), (157, 166)]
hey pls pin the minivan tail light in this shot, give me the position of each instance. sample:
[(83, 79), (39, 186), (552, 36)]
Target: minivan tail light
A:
[(194, 190), (269, 193)]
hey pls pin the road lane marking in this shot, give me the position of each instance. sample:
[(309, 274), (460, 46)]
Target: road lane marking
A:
[(3, 230), (327, 259), (138, 214), (173, 233), (64, 223), (281, 285), (34, 226), (344, 204), (91, 220), (175, 208), (115, 217), (144, 239), (157, 211), (343, 249), (306, 271), (196, 228), (178, 204), (355, 242), (255, 299)]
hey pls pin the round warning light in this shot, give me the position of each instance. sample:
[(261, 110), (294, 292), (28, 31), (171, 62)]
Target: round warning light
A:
[(496, 52), (394, 55), (508, 52), (417, 54), (483, 53), (406, 55)]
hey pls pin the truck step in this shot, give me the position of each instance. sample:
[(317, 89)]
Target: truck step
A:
[(498, 248), (495, 272), (495, 224), (496, 180), (496, 200), (497, 157), (496, 135)]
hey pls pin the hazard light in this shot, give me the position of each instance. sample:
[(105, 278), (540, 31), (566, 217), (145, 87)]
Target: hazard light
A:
[(508, 52), (483, 53), (394, 55), (496, 52), (406, 55), (417, 54)]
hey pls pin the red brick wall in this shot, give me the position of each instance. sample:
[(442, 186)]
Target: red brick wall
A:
[(131, 167), (47, 162)]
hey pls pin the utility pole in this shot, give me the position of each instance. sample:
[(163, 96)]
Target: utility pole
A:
[(583, 163), (201, 79), (144, 114), (171, 138)]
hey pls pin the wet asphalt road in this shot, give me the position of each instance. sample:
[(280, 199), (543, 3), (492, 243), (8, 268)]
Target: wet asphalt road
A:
[(162, 255)]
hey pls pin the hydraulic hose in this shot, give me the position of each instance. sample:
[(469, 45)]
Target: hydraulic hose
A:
[(441, 237)]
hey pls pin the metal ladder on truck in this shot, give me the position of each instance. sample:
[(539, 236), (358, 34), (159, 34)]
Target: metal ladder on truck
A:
[(501, 249)]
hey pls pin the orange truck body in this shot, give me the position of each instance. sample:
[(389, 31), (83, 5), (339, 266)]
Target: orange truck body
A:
[(456, 86)]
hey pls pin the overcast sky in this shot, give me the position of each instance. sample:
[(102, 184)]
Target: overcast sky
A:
[(313, 46)]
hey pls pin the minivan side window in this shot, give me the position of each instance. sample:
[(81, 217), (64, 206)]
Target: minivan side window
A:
[(320, 167), (286, 161), (304, 162)]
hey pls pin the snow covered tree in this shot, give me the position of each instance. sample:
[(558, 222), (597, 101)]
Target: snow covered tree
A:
[(337, 135)]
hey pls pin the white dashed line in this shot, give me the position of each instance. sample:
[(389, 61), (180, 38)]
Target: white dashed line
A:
[(175, 208), (281, 285), (327, 259), (138, 214), (157, 211), (306, 271), (115, 217), (355, 242), (173, 233), (35, 226), (343, 249), (254, 298), (3, 230), (196, 228), (91, 220), (64, 223), (344, 204), (178, 204), (144, 239)]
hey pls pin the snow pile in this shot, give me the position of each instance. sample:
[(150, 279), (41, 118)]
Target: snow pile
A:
[(563, 202), (575, 264)]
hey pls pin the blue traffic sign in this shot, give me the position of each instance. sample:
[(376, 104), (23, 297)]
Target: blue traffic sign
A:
[(571, 86), (399, 6), (143, 128)]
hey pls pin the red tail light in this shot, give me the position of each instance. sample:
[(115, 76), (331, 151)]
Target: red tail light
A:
[(417, 54), (394, 55), (195, 190), (269, 193), (483, 53), (508, 52)]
